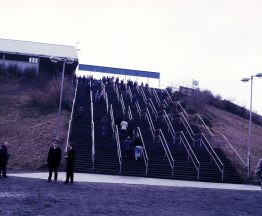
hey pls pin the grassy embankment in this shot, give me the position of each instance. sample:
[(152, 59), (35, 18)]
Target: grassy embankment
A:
[(28, 118)]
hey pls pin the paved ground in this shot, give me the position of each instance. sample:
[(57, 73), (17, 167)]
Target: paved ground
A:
[(32, 195)]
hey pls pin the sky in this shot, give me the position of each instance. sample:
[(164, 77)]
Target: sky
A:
[(217, 42)]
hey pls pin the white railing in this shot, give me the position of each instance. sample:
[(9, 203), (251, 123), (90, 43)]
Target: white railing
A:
[(151, 125), (161, 139), (118, 149), (152, 107), (106, 99), (122, 104), (169, 125), (71, 117), (138, 109), (129, 113), (93, 144), (130, 93), (146, 160), (206, 144), (117, 94), (156, 98), (165, 105), (166, 149), (184, 141), (143, 95), (190, 152), (92, 129), (187, 126), (213, 154), (112, 119), (210, 133), (149, 90)]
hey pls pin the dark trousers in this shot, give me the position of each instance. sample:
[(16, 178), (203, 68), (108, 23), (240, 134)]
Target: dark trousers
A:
[(51, 170), (3, 171), (69, 174)]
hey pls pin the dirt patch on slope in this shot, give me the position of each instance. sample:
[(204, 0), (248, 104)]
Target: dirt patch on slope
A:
[(29, 130)]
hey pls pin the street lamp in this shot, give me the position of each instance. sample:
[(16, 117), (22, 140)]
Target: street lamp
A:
[(65, 61), (250, 119)]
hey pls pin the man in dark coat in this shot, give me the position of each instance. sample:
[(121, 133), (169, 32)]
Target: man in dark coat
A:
[(53, 160), (70, 164), (3, 160)]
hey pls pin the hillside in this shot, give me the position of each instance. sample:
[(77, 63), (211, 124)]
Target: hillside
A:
[(235, 129), (29, 129)]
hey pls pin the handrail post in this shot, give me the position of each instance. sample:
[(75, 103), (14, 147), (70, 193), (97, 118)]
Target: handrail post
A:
[(71, 117)]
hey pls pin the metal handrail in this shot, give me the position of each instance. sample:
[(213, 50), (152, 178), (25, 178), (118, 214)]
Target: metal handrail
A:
[(206, 145), (212, 135), (93, 144), (187, 125), (117, 94), (214, 156), (71, 117), (169, 125), (91, 98), (138, 109), (235, 152), (122, 104), (156, 97), (91, 106), (190, 152), (161, 138), (149, 90), (118, 149), (130, 93), (130, 116), (146, 160), (166, 149), (143, 95), (165, 104), (112, 118), (151, 125), (152, 107), (92, 130), (187, 146), (106, 99)]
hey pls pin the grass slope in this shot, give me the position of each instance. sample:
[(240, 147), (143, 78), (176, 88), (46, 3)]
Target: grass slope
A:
[(28, 129), (235, 129)]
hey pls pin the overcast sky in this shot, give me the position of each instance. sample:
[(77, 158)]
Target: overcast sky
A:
[(216, 42)]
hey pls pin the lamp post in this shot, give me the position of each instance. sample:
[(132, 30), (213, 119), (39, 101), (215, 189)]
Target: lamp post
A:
[(250, 119), (65, 61)]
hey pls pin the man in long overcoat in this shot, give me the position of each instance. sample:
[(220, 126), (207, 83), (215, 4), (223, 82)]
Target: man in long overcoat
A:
[(54, 160), (3, 159), (70, 162)]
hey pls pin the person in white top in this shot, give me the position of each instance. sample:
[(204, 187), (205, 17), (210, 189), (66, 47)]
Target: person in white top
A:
[(124, 126)]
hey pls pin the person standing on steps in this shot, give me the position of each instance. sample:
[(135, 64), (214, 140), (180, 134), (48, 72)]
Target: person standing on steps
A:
[(54, 160), (4, 156), (70, 162)]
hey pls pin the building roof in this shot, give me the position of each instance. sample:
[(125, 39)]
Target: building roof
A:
[(37, 49)]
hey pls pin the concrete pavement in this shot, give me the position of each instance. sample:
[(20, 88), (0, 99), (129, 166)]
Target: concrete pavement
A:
[(98, 178)]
